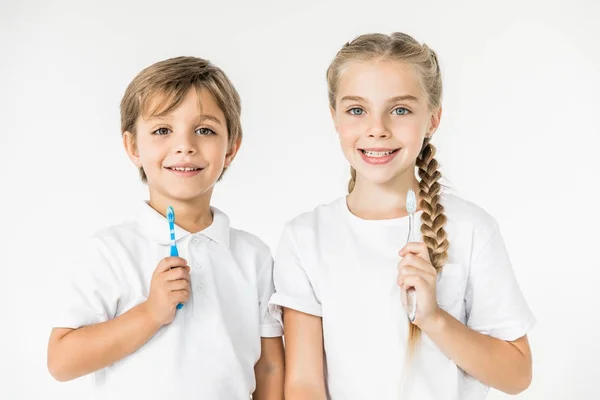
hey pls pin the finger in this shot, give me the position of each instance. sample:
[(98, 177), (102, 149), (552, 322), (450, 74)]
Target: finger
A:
[(170, 262), (179, 284), (177, 273), (417, 248), (412, 271), (415, 261), (185, 268), (413, 281), (180, 296)]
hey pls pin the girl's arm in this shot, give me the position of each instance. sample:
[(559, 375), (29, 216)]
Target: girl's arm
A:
[(505, 366), (304, 375), (269, 370)]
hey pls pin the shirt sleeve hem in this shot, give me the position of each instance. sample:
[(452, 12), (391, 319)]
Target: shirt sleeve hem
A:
[(510, 333), (271, 331), (278, 301)]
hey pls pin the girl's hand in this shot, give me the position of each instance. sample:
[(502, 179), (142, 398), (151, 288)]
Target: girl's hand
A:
[(415, 270)]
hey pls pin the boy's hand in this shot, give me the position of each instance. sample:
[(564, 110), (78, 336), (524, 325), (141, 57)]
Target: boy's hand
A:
[(170, 286)]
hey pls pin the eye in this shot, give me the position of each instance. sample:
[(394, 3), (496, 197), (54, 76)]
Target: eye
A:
[(356, 111), (400, 111), (205, 132), (162, 131)]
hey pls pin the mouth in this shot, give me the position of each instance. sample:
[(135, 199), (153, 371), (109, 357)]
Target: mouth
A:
[(378, 153), (378, 156), (184, 169)]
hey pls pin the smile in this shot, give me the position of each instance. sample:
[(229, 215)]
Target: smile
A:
[(183, 169), (376, 154)]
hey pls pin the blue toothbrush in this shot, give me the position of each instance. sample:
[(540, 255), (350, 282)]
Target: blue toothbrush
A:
[(174, 252)]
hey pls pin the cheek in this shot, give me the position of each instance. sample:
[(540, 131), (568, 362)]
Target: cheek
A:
[(149, 153), (410, 132), (349, 132), (214, 149), (350, 126)]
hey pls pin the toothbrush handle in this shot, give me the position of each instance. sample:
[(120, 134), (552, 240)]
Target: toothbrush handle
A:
[(175, 253), (411, 295), (411, 304)]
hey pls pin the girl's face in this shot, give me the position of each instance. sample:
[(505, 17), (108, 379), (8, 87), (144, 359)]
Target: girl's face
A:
[(382, 117)]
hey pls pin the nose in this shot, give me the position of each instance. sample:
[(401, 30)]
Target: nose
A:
[(185, 144), (379, 128)]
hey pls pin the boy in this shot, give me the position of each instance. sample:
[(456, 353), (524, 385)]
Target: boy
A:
[(180, 120)]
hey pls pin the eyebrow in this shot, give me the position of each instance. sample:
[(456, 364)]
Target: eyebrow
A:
[(202, 117), (211, 118), (407, 97)]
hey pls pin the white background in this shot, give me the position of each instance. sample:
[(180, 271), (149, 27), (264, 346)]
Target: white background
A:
[(519, 137)]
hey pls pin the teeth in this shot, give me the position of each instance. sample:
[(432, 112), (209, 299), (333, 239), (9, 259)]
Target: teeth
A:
[(377, 153), (183, 169)]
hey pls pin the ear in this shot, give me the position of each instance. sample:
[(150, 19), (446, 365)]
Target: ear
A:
[(335, 124), (434, 123), (131, 148), (232, 151)]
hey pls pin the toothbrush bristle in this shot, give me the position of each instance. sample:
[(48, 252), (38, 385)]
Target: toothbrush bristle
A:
[(411, 201), (170, 214)]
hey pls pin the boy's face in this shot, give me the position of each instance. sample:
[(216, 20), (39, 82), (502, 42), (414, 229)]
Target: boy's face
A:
[(183, 153)]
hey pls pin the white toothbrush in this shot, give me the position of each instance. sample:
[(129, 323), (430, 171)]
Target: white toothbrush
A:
[(411, 295)]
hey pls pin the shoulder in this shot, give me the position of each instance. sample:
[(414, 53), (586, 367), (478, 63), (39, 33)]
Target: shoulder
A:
[(114, 236), (246, 242), (100, 254), (467, 215), (316, 218)]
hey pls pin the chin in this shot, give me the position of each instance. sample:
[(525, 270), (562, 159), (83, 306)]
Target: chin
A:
[(379, 177), (186, 193)]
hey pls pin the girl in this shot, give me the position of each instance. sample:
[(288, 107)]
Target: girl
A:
[(342, 270)]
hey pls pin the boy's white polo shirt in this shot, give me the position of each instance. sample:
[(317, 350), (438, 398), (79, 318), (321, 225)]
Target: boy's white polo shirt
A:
[(334, 265), (210, 348)]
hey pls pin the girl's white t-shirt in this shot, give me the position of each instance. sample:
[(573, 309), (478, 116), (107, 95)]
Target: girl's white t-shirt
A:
[(337, 266)]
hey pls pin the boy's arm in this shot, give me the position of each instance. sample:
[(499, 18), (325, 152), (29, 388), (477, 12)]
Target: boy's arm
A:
[(269, 370), (76, 352)]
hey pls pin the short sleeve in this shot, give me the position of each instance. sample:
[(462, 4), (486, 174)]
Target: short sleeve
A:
[(495, 304), (89, 291), (269, 325), (293, 288)]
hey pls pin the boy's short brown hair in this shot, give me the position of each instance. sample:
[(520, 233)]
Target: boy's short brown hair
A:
[(170, 80)]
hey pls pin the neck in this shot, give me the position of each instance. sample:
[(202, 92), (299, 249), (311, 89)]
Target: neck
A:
[(370, 200), (192, 215)]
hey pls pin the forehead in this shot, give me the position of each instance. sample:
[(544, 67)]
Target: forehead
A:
[(376, 80), (197, 100)]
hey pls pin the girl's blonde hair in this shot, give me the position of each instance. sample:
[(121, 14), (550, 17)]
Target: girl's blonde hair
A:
[(400, 47)]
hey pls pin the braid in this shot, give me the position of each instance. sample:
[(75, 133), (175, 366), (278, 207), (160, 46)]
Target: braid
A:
[(432, 218), (432, 222), (352, 181)]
